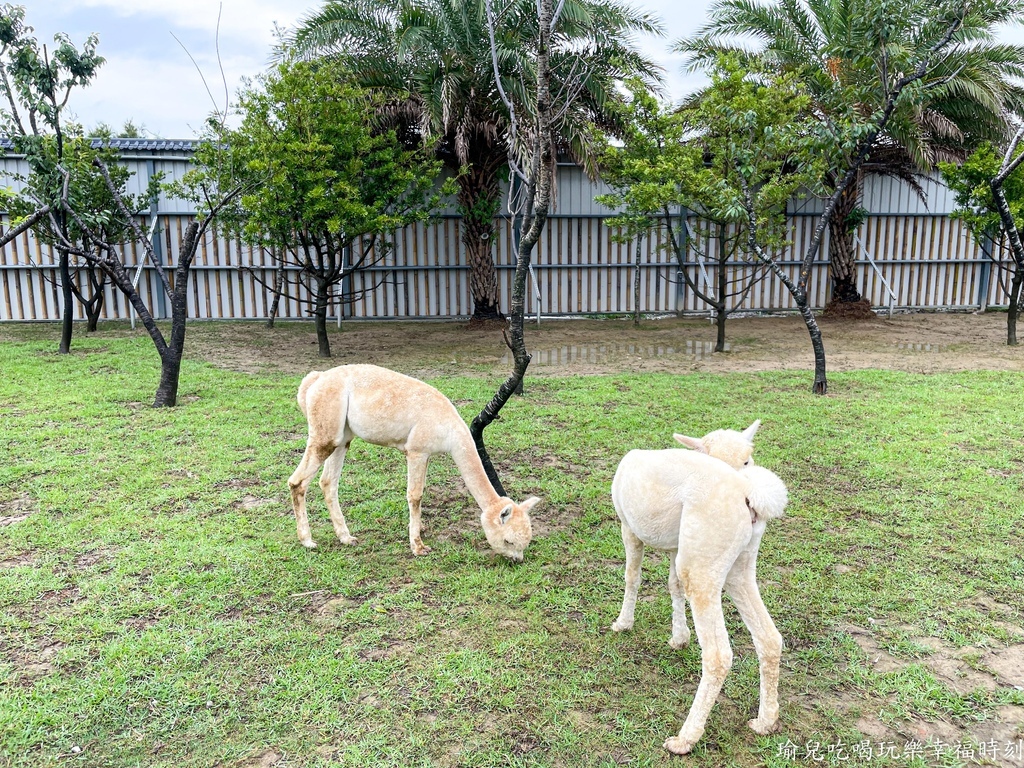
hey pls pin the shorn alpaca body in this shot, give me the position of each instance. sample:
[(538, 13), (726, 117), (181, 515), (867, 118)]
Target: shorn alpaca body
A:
[(712, 517), (661, 526), (397, 411)]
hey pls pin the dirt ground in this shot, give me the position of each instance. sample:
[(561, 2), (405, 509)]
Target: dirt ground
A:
[(918, 343)]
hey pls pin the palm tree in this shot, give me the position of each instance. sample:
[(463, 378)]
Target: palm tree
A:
[(846, 47), (433, 58)]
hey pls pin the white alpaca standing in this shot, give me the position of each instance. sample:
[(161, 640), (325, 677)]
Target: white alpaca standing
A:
[(713, 517), (728, 445), (390, 409)]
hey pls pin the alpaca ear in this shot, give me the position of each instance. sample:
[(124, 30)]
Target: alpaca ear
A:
[(694, 443), (506, 513), (530, 503), (750, 431)]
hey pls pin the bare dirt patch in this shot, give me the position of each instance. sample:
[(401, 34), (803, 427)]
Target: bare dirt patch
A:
[(24, 560), (266, 759), (918, 343), (16, 510), (955, 669)]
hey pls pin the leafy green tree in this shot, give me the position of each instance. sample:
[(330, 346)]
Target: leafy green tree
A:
[(762, 152), (320, 183), (36, 84), (664, 165), (433, 61), (989, 190), (852, 55)]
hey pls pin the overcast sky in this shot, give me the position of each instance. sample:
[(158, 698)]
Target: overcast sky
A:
[(149, 77)]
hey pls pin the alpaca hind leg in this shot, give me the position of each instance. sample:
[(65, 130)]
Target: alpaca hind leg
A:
[(716, 659), (329, 485), (767, 642), (417, 466), (634, 559), (680, 632)]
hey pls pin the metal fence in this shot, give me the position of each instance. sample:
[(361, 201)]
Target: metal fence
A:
[(913, 255)]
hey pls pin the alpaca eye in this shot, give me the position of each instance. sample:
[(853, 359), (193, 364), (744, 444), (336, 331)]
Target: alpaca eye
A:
[(748, 462)]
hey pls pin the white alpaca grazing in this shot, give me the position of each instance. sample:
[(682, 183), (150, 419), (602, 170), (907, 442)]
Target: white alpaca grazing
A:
[(712, 517), (390, 409)]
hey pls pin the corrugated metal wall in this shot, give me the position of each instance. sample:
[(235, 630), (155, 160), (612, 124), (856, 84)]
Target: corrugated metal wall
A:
[(925, 258)]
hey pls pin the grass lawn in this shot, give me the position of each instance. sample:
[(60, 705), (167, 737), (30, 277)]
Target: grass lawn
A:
[(156, 608)]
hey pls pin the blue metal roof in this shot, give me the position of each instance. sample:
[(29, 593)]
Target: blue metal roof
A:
[(132, 145)]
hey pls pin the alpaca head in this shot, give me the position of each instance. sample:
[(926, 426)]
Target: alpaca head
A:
[(734, 448), (507, 527)]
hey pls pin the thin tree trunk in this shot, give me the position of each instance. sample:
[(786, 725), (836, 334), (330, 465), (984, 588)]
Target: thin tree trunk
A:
[(68, 308), (1014, 310), (94, 304), (537, 206), (820, 386), (636, 282), (723, 288), (170, 373), (278, 290), (171, 357), (1016, 250), (320, 317)]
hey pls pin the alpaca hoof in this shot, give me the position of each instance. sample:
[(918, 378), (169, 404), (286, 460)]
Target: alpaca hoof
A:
[(621, 626), (309, 544), (422, 549), (348, 539), (762, 728), (679, 641), (678, 746)]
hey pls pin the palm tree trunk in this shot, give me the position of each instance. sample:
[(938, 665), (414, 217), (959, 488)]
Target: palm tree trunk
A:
[(479, 201), (841, 253)]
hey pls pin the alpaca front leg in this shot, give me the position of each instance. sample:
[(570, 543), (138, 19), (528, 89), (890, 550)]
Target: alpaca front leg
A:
[(680, 632), (716, 659), (767, 642), (634, 560), (417, 466), (329, 485), (298, 483)]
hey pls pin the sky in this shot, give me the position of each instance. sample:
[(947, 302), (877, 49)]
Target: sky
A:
[(162, 70), (164, 57)]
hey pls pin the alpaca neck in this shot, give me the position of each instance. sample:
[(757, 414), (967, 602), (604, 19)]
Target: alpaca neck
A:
[(472, 471)]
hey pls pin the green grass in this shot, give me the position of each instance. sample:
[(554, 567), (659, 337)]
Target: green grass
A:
[(156, 608)]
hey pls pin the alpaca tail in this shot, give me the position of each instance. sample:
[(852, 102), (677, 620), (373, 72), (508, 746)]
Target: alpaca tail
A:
[(307, 382), (767, 495)]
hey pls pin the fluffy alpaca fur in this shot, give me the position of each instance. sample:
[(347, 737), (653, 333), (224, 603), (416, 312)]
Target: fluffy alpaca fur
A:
[(713, 516), (390, 409)]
